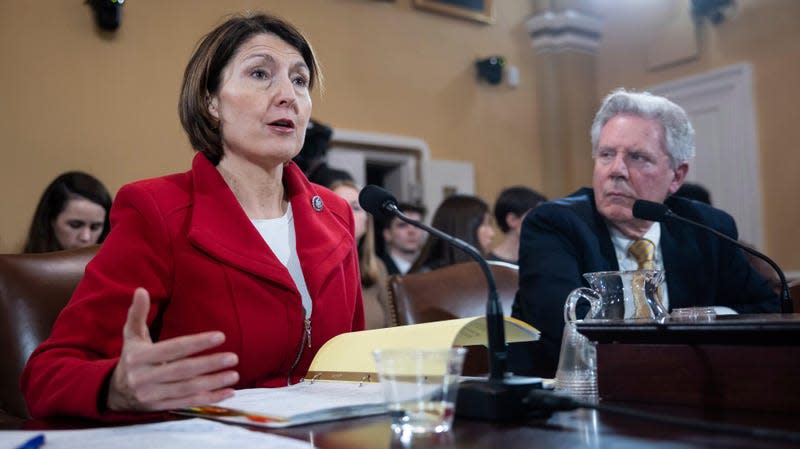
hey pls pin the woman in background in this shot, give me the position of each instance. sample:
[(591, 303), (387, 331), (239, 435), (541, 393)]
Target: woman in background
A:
[(374, 277), (72, 213), (465, 217)]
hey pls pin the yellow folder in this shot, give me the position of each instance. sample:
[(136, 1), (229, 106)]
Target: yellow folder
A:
[(348, 357)]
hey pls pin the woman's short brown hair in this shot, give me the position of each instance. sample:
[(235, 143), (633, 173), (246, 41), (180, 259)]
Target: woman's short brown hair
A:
[(203, 74), (460, 216)]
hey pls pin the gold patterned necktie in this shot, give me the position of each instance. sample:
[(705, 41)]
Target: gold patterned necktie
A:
[(644, 251)]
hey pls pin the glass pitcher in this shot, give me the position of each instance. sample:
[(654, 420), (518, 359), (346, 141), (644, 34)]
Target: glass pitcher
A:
[(616, 295), (613, 295)]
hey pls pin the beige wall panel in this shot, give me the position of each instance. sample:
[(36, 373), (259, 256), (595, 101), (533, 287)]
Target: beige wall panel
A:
[(765, 33), (75, 98)]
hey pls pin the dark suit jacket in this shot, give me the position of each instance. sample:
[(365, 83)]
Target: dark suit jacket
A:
[(565, 238)]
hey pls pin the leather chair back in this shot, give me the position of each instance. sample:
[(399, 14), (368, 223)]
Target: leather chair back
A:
[(33, 290), (794, 291), (455, 291)]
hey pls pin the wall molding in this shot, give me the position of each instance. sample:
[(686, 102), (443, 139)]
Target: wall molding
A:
[(568, 30), (721, 107)]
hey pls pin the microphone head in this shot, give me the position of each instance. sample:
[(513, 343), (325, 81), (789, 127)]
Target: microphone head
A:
[(376, 200), (650, 210)]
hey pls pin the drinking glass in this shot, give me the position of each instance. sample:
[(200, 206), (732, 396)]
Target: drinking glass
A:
[(420, 387)]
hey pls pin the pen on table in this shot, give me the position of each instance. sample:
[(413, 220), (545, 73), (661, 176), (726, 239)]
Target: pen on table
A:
[(33, 443)]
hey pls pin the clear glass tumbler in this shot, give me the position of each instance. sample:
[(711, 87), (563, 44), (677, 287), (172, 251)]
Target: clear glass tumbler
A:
[(420, 387)]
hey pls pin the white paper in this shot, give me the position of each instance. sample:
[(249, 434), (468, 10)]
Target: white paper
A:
[(182, 434), (304, 403), (304, 397)]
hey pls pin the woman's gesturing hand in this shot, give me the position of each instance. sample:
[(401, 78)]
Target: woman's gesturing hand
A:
[(165, 375)]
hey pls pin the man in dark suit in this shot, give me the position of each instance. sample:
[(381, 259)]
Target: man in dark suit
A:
[(641, 145), (401, 241)]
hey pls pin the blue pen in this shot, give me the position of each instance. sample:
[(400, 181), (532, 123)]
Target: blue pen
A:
[(34, 443)]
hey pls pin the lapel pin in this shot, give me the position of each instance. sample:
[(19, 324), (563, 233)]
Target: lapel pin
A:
[(317, 204)]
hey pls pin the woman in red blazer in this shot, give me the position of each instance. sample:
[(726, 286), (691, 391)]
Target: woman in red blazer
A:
[(239, 269)]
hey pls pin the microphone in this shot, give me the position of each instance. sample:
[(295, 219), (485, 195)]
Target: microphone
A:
[(379, 201), (502, 396), (652, 211)]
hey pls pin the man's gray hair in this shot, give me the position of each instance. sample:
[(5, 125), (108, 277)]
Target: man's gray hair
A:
[(678, 131)]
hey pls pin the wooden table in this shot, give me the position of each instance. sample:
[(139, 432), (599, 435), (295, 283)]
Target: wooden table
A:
[(573, 430), (754, 339)]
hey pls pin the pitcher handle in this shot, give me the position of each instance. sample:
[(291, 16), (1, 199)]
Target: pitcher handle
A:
[(594, 299)]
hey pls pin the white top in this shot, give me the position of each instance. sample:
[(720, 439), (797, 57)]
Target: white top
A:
[(402, 265), (628, 263), (280, 237)]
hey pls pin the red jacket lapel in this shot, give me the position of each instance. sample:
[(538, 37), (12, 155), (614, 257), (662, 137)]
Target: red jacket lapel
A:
[(324, 236), (220, 227)]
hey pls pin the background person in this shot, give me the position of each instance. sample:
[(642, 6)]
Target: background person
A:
[(72, 213), (465, 217), (402, 242), (699, 193), (374, 279), (695, 192), (511, 207), (239, 269), (641, 145), (313, 156)]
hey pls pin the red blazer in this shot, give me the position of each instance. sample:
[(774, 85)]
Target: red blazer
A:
[(186, 239)]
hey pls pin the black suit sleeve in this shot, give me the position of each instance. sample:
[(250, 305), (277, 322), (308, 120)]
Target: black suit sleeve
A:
[(741, 287), (557, 245), (727, 278)]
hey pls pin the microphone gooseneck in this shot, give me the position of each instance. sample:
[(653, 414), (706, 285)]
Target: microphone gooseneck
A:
[(379, 201), (652, 211), (502, 396)]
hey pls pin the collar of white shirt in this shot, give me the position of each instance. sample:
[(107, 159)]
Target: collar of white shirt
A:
[(402, 265), (627, 262), (621, 244)]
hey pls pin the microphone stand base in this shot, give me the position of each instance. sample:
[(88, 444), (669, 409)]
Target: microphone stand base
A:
[(498, 399)]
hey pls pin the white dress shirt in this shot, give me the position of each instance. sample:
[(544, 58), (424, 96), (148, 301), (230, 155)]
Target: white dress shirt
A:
[(628, 263)]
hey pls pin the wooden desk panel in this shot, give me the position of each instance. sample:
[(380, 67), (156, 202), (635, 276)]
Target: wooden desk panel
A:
[(716, 376), (743, 361), (756, 330)]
